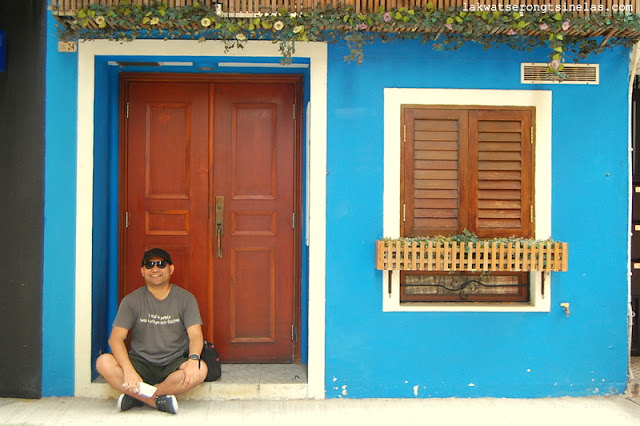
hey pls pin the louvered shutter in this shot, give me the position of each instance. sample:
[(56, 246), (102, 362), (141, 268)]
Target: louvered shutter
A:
[(501, 174), (466, 169), (434, 153)]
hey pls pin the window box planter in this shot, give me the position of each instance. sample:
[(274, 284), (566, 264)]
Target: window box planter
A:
[(411, 254)]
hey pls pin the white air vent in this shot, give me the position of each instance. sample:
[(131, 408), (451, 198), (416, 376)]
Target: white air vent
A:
[(531, 73)]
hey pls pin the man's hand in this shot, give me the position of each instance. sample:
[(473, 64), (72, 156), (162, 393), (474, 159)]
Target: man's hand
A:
[(132, 381), (191, 371), (191, 367)]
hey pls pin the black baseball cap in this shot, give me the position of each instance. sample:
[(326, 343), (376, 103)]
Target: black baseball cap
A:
[(156, 252)]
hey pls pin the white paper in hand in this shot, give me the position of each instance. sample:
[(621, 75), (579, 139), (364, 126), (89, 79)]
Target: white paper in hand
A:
[(146, 390)]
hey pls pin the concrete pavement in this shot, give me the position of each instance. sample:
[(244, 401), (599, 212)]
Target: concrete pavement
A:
[(609, 411)]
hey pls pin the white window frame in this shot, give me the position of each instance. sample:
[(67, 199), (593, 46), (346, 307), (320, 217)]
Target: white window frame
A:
[(540, 296)]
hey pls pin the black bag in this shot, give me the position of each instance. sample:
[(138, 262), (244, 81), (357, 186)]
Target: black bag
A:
[(210, 357)]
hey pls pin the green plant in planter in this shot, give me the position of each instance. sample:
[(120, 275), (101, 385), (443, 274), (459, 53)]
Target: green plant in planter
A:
[(469, 237)]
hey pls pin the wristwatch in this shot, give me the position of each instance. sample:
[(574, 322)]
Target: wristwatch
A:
[(195, 357)]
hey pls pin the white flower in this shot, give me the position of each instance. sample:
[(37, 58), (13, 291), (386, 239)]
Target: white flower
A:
[(298, 28), (154, 21), (278, 26), (99, 20), (205, 22), (241, 37)]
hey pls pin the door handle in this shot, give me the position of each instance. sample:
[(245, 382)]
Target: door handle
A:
[(219, 224)]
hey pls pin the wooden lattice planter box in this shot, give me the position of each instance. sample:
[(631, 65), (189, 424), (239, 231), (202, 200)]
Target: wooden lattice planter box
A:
[(412, 255)]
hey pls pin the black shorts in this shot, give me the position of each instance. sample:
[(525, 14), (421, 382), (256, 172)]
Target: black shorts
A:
[(152, 373)]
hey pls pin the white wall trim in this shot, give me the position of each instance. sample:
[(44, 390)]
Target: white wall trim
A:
[(393, 99), (87, 52)]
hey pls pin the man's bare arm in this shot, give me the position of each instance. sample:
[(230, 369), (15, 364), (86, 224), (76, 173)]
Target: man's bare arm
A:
[(119, 351), (196, 341)]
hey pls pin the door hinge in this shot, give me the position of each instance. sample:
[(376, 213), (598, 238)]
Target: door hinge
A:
[(293, 220), (127, 109), (531, 215), (294, 334), (294, 111), (404, 212), (404, 133), (126, 219)]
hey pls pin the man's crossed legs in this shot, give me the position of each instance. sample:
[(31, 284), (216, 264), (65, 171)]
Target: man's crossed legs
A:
[(169, 381)]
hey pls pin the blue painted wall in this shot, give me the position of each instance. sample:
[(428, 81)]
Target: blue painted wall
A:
[(58, 299), (374, 354), (370, 353)]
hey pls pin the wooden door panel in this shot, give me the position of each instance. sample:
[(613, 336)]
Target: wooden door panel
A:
[(253, 151), (168, 183), (253, 296), (254, 171), (166, 222), (188, 143), (167, 149), (253, 223)]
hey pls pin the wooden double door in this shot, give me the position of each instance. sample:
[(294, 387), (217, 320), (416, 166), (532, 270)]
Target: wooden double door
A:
[(210, 173)]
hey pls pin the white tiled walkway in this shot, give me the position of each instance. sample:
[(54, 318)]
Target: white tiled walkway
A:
[(596, 411)]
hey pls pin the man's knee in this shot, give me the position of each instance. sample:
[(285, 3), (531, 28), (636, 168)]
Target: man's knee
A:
[(105, 362)]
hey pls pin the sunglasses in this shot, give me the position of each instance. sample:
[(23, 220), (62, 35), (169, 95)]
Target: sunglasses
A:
[(149, 264)]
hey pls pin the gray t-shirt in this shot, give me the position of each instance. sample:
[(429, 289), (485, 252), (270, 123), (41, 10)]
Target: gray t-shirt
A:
[(158, 327)]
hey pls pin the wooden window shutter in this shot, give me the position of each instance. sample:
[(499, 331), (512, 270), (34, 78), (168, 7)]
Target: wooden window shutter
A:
[(434, 167), (466, 168), (501, 180)]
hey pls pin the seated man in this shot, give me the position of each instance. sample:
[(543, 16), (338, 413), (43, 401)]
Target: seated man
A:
[(166, 340)]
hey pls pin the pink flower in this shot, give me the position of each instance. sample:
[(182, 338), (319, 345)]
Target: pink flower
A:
[(566, 25), (555, 64), (362, 26), (386, 17), (449, 27), (512, 32), (544, 27)]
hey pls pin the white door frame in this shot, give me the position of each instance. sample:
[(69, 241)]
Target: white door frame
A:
[(316, 178)]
